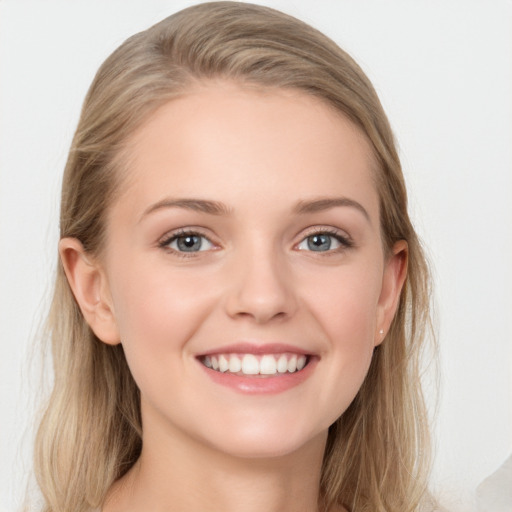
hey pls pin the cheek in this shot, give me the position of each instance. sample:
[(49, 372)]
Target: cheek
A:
[(345, 301), (157, 313), (345, 307)]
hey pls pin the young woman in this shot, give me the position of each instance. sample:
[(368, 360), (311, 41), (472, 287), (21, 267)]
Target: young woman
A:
[(241, 298)]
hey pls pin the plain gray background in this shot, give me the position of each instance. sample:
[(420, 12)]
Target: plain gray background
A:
[(443, 70)]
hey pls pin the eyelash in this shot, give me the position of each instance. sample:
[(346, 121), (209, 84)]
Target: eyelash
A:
[(167, 240), (345, 241)]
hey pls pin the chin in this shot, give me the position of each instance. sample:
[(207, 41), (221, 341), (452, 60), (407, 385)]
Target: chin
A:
[(266, 441)]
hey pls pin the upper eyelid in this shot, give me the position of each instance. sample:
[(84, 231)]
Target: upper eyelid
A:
[(176, 233), (328, 230)]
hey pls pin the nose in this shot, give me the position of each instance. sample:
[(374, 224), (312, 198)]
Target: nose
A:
[(262, 288)]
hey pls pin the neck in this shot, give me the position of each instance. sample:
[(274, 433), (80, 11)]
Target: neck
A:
[(175, 473)]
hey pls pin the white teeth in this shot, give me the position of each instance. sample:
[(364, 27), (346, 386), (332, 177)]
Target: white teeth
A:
[(292, 364), (250, 364), (235, 365), (223, 364), (282, 364), (268, 365)]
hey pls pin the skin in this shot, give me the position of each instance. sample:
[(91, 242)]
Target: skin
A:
[(261, 154)]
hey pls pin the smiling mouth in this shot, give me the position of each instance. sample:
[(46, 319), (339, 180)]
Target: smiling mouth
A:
[(254, 365)]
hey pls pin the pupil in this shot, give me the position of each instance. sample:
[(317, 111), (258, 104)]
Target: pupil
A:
[(189, 243), (319, 242)]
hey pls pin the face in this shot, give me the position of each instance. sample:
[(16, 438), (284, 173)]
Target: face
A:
[(244, 270)]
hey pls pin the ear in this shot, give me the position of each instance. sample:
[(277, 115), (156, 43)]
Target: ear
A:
[(395, 271), (90, 288)]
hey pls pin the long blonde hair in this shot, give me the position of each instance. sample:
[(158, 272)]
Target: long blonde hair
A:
[(376, 457)]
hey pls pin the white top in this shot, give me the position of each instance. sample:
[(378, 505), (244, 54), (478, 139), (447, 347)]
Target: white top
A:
[(494, 494)]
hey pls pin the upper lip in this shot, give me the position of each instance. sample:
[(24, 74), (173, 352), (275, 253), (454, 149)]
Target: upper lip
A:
[(256, 349)]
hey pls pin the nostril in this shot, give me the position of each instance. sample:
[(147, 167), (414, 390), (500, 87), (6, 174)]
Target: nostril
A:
[(262, 316)]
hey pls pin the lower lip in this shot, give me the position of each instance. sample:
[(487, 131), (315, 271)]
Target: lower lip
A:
[(267, 384)]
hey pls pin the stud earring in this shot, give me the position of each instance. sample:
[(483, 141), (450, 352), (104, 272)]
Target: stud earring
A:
[(381, 332)]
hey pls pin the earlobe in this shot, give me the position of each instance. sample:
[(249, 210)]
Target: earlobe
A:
[(90, 288), (395, 272)]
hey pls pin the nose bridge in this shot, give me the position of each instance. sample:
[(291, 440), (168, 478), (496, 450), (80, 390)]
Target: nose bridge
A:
[(262, 287)]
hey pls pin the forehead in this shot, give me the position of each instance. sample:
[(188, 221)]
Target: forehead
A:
[(224, 139)]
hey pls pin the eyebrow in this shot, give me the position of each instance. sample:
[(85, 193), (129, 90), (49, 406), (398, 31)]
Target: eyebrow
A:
[(218, 208), (197, 205), (318, 205)]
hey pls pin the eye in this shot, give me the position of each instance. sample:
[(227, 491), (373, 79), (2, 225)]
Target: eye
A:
[(324, 242), (187, 242)]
